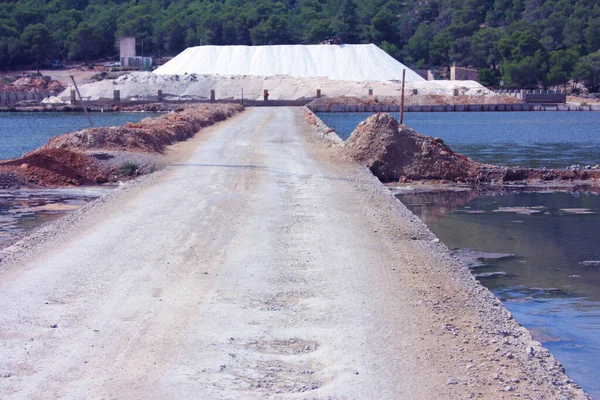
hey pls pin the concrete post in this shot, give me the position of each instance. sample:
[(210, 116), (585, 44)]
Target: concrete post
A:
[(159, 95), (318, 93), (266, 95), (212, 95), (73, 98), (117, 96)]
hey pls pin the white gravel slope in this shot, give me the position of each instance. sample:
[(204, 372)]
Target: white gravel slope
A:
[(145, 85), (346, 62), (262, 266)]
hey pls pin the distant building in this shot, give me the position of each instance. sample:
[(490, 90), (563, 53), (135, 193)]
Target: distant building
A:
[(128, 55), (463, 74)]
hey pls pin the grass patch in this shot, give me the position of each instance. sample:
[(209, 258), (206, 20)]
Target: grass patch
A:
[(128, 168)]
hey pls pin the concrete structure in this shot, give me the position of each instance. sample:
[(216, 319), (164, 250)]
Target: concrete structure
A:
[(10, 98), (463, 74), (126, 50)]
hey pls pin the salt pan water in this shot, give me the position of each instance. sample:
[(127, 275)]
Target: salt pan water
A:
[(21, 132), (528, 139)]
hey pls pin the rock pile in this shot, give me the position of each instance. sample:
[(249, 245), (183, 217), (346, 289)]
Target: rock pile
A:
[(72, 159), (393, 152), (150, 134), (27, 83), (52, 167), (417, 100)]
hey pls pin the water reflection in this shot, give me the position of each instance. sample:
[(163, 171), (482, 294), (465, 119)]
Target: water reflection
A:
[(552, 282), (23, 210)]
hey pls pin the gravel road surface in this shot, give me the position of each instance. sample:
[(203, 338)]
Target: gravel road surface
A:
[(260, 265)]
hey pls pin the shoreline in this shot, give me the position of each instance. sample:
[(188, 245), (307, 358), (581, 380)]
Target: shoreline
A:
[(460, 336), (109, 154)]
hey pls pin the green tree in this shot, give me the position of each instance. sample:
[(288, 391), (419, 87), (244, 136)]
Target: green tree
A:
[(345, 22), (592, 35), (561, 65), (483, 50), (440, 47), (588, 71), (488, 77), (41, 48), (418, 46)]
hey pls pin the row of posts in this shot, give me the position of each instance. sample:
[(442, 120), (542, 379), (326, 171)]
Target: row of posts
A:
[(159, 95)]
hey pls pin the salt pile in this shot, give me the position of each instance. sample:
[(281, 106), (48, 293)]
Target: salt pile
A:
[(349, 62)]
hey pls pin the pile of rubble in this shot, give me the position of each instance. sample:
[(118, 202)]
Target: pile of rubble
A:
[(150, 134), (73, 158), (395, 152), (27, 83)]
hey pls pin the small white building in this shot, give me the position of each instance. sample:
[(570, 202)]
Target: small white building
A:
[(128, 56)]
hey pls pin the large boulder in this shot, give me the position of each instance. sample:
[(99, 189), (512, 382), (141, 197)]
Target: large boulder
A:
[(393, 152)]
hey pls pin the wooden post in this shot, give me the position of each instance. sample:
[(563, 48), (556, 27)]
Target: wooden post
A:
[(117, 96), (212, 95), (318, 93), (266, 95), (85, 111), (370, 92), (402, 98), (73, 96), (159, 95)]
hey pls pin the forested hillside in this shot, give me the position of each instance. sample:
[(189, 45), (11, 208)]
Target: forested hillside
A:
[(524, 42)]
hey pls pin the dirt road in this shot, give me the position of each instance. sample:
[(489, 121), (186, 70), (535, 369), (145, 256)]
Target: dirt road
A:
[(261, 266)]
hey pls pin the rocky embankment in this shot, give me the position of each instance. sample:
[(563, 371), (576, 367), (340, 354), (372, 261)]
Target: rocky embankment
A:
[(98, 155), (27, 83), (395, 152), (410, 99)]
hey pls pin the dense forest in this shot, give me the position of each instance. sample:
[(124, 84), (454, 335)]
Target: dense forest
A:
[(523, 43)]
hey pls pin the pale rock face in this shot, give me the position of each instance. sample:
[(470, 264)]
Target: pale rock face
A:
[(347, 62)]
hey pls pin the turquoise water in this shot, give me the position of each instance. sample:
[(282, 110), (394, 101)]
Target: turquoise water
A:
[(551, 284), (21, 132), (529, 139)]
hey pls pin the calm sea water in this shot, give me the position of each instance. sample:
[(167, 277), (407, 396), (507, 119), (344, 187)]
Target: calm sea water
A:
[(532, 139), (21, 132), (551, 284)]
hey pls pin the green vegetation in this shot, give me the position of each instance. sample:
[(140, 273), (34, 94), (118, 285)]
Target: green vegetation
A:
[(128, 168), (524, 43)]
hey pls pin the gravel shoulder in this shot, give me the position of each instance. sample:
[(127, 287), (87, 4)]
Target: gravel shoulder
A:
[(258, 264)]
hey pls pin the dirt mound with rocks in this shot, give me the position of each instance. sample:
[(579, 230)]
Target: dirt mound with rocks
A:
[(52, 167), (150, 134), (98, 155), (27, 83), (393, 152)]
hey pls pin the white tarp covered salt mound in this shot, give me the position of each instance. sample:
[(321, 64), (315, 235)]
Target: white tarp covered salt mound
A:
[(347, 62)]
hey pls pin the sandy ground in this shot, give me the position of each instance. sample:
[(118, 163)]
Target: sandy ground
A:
[(258, 265), (63, 75), (145, 85)]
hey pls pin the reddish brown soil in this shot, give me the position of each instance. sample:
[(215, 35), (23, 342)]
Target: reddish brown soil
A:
[(395, 152), (54, 167), (30, 83), (63, 160), (150, 134)]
